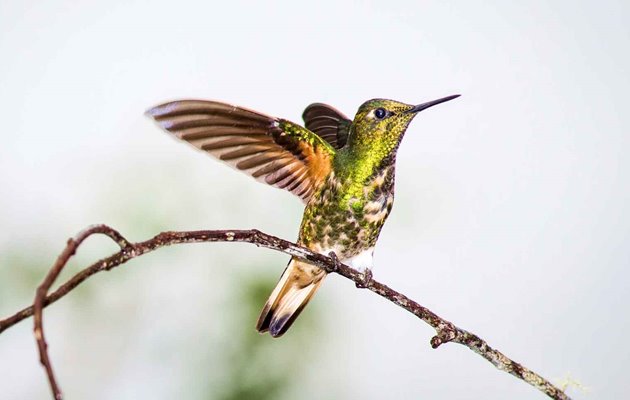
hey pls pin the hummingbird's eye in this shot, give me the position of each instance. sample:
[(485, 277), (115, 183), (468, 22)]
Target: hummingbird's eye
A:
[(380, 113)]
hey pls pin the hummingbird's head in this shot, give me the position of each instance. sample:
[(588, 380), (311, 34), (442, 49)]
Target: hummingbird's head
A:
[(380, 124)]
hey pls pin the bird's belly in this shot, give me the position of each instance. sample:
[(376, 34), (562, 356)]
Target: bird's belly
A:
[(351, 232)]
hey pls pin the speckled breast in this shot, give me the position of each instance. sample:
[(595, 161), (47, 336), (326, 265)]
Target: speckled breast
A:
[(347, 225)]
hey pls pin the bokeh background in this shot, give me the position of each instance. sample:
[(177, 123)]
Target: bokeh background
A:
[(511, 216)]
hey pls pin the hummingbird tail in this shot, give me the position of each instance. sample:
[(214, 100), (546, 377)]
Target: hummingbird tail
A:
[(297, 285)]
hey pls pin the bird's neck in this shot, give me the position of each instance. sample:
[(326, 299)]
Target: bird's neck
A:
[(358, 166)]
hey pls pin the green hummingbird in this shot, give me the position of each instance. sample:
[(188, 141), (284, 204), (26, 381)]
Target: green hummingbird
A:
[(342, 169)]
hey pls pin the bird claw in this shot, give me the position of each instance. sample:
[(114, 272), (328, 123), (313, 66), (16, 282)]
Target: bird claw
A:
[(335, 259), (366, 278)]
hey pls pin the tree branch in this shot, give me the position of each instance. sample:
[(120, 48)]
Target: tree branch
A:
[(445, 330)]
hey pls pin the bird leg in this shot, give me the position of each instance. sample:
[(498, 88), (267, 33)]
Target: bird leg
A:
[(335, 260), (365, 280), (365, 275)]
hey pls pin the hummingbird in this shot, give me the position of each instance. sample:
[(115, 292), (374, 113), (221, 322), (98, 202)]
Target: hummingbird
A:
[(342, 169)]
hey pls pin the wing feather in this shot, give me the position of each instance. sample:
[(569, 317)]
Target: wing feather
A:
[(327, 122), (275, 151)]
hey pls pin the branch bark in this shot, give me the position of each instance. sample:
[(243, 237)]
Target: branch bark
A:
[(445, 331)]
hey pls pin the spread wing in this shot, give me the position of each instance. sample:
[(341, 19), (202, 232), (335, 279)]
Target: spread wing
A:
[(272, 150), (328, 123)]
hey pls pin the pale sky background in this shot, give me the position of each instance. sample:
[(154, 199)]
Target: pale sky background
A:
[(511, 215)]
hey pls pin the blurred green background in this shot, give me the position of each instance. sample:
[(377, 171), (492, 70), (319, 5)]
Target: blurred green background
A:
[(511, 215), (191, 310)]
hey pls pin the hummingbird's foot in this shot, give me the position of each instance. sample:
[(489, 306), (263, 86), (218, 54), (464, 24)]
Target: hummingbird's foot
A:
[(366, 278), (335, 259)]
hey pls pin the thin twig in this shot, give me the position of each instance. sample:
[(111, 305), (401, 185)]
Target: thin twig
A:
[(445, 330), (42, 291)]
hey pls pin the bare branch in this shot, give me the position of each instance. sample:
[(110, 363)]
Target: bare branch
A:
[(42, 291), (445, 330)]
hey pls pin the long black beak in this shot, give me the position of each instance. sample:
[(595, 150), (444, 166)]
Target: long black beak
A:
[(428, 104)]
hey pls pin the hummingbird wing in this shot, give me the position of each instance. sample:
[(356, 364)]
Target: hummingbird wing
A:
[(272, 150), (328, 123)]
